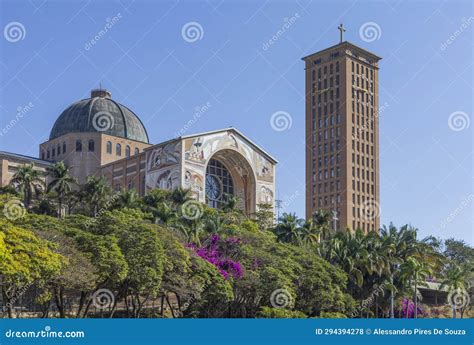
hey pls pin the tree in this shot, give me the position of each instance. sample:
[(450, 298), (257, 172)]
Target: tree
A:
[(322, 220), (415, 273), (309, 233), (61, 182), (78, 272), (231, 202), (264, 217), (97, 192), (179, 196), (143, 252), (28, 180), (456, 281), (127, 199), (27, 260), (288, 230)]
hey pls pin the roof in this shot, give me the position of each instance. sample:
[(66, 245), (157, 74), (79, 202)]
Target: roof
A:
[(29, 159), (345, 43), (232, 129), (100, 114)]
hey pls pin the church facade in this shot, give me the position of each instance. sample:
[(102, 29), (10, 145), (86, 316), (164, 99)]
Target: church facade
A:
[(99, 136)]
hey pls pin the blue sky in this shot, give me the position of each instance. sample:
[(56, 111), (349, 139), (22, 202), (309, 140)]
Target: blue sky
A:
[(148, 65)]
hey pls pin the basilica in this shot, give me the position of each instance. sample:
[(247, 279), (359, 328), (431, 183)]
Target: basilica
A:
[(99, 136)]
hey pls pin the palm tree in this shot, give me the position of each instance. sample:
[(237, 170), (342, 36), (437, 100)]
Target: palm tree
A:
[(180, 195), (322, 220), (27, 180), (127, 199), (309, 233), (164, 213), (214, 224), (348, 249), (288, 230), (231, 202), (61, 182), (415, 273), (96, 193), (455, 279), (399, 245)]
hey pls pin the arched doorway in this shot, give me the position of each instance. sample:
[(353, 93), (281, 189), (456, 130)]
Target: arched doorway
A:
[(229, 173)]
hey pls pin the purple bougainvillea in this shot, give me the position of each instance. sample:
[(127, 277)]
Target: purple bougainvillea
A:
[(408, 309), (217, 252)]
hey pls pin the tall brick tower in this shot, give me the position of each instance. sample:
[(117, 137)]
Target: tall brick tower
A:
[(342, 135)]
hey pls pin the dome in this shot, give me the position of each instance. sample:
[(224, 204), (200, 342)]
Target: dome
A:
[(99, 114)]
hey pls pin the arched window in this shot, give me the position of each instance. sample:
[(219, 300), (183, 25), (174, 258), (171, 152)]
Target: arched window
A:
[(91, 146), (53, 152), (78, 145), (127, 151), (219, 183), (118, 150), (109, 147), (137, 151), (42, 155), (59, 149), (47, 154), (64, 147)]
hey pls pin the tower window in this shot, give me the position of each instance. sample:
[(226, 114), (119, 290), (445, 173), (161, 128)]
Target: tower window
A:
[(109, 147), (78, 145), (127, 151), (64, 147), (59, 149), (91, 146), (136, 151), (54, 152), (118, 150), (42, 155)]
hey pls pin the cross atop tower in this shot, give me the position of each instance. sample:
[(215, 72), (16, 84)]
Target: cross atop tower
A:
[(341, 32)]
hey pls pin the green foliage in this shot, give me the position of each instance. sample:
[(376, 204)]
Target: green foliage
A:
[(144, 249), (332, 315), (26, 259), (278, 313), (264, 217)]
